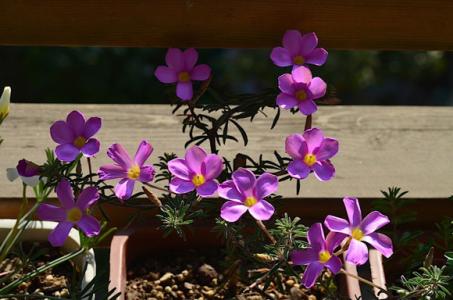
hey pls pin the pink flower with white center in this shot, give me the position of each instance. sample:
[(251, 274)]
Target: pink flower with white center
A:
[(181, 69), (311, 151), (197, 171), (299, 89), (299, 50), (129, 170), (360, 231)]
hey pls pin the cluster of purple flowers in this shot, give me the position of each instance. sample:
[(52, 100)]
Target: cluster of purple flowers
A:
[(198, 171)]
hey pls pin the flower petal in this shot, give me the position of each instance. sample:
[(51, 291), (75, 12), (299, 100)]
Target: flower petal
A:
[(146, 173), (301, 74), (313, 137), (334, 264), (295, 146), (67, 152), (178, 167), (200, 72), (120, 156), (124, 189), (166, 74), (228, 190), (315, 237), (262, 210), (357, 252), (194, 158), (353, 210), (327, 149), (324, 170), (281, 57), (144, 150), (337, 224), (317, 88), (184, 90), (92, 127), (308, 107), (31, 181), (190, 57), (286, 83), (181, 186), (308, 43), (65, 194), (111, 171), (291, 41), (91, 148), (298, 169), (208, 188), (231, 211), (12, 174), (380, 242), (286, 101), (244, 180), (61, 133), (59, 235), (266, 184), (76, 121), (311, 274), (87, 198), (48, 212), (334, 239), (174, 59), (373, 221), (89, 225), (317, 57), (304, 257), (212, 166)]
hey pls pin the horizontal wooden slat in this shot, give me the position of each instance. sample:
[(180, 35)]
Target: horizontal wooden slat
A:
[(343, 24), (379, 146)]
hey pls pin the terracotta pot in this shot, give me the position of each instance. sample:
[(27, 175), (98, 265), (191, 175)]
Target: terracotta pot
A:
[(129, 245), (37, 231)]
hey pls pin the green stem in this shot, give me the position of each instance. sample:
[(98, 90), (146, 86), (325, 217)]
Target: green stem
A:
[(40, 270)]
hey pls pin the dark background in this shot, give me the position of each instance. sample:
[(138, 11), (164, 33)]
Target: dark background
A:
[(125, 75)]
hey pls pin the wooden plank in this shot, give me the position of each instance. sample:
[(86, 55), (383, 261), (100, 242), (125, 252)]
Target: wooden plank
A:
[(379, 146), (342, 24)]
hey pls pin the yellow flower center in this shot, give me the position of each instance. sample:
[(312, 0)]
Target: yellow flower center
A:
[(250, 201), (357, 234), (309, 159), (184, 76), (79, 142), (324, 256), (299, 60), (133, 172), (198, 180), (74, 215), (301, 95)]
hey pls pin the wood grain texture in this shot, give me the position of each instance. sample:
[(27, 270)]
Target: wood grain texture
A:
[(379, 146), (342, 24)]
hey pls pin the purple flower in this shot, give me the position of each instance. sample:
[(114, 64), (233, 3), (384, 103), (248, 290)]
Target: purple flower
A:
[(318, 255), (299, 89), (28, 171), (298, 50), (181, 69), (247, 193), (311, 152), (75, 136), (127, 169), (197, 171), (361, 231), (72, 212)]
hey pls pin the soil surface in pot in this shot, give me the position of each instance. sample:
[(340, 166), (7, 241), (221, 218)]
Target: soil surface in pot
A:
[(194, 275), (29, 256)]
